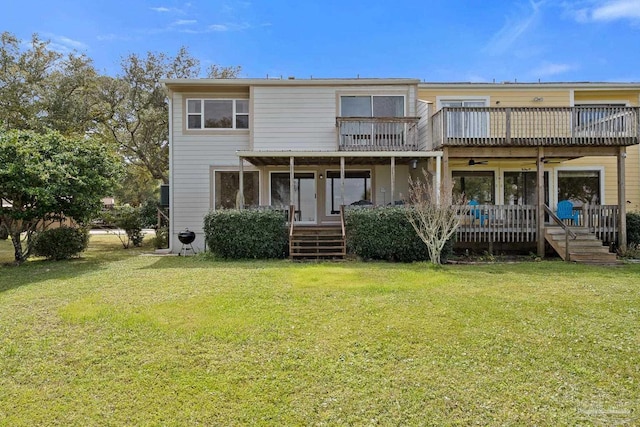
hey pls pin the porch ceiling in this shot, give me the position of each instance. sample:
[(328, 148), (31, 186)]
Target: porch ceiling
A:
[(514, 153), (282, 158)]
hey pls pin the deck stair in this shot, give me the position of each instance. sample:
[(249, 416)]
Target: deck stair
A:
[(586, 248), (317, 242)]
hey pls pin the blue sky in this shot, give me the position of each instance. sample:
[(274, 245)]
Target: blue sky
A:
[(433, 40)]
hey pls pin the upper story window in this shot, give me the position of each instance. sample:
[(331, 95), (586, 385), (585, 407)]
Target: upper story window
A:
[(217, 114), (372, 106)]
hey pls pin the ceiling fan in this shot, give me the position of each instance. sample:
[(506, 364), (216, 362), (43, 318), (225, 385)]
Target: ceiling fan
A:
[(473, 162)]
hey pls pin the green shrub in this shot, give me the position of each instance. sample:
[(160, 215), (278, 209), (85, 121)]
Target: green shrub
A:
[(149, 213), (633, 228), (128, 219), (161, 240), (385, 233), (242, 234), (60, 243)]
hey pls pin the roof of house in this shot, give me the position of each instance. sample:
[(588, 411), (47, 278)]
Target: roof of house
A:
[(182, 83)]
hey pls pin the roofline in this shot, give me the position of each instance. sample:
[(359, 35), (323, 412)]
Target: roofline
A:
[(180, 83), (550, 85)]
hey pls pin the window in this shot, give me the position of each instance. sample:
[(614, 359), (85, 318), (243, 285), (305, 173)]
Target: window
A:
[(372, 106), (579, 186), (227, 185), (217, 114), (520, 188), (357, 189), (466, 122), (475, 185)]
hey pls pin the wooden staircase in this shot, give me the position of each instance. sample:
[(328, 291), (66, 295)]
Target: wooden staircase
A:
[(586, 248), (317, 242)]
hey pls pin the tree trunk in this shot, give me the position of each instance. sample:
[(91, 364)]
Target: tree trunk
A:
[(17, 248)]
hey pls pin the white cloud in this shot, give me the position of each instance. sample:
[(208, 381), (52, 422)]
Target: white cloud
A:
[(66, 41), (185, 22), (218, 27), (551, 69), (161, 9), (513, 30), (617, 9)]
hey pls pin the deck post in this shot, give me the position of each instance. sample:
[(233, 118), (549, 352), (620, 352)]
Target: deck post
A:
[(291, 182), (438, 179), (540, 201), (240, 200), (446, 175), (622, 200), (393, 179), (342, 181)]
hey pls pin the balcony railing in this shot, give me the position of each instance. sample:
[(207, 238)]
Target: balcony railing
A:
[(532, 127), (377, 133)]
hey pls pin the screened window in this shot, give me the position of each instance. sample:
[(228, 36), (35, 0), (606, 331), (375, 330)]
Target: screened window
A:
[(372, 106), (579, 186), (217, 114), (357, 190), (227, 185), (520, 188), (475, 185)]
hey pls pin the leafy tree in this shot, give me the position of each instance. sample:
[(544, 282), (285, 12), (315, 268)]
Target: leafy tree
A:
[(42, 90), (135, 110), (48, 176)]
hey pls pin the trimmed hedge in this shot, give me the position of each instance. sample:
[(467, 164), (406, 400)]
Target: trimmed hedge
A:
[(384, 233), (633, 228), (60, 243), (242, 234)]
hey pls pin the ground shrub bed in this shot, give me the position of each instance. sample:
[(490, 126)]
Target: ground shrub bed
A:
[(115, 338), (246, 234), (384, 233)]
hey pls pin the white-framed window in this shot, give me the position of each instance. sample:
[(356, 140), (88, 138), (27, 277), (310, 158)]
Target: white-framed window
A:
[(580, 185), (357, 189), (226, 184), (466, 122), (217, 114), (372, 105)]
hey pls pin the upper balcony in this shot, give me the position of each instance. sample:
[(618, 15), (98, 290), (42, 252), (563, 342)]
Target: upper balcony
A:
[(535, 127), (377, 133)]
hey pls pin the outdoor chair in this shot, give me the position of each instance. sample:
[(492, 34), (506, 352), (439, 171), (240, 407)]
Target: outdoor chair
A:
[(565, 212), (476, 213)]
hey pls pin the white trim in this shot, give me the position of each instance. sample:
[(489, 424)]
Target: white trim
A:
[(462, 98), (171, 169), (553, 197), (212, 181), (572, 97), (202, 100)]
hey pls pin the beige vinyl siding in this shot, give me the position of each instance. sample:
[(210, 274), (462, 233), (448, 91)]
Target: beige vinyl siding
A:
[(304, 118), (506, 97), (192, 156), (623, 96)]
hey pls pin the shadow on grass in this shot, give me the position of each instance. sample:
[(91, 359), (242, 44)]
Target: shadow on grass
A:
[(99, 254)]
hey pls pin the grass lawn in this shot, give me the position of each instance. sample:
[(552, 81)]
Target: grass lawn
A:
[(115, 338)]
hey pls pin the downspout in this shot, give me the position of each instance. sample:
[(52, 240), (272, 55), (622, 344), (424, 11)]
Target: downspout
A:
[(171, 186)]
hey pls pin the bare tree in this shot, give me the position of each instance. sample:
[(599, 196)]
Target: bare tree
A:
[(434, 215)]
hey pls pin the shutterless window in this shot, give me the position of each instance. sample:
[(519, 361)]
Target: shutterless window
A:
[(579, 186), (227, 185), (217, 114), (357, 189), (475, 185), (372, 106)]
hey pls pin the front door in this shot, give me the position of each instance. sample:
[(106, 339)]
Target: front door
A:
[(304, 194)]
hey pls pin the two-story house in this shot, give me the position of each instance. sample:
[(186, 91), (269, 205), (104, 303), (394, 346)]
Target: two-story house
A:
[(318, 144)]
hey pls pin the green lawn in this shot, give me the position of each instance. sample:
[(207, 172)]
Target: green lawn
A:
[(120, 339)]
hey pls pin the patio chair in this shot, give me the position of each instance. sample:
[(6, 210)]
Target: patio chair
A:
[(476, 213), (565, 212)]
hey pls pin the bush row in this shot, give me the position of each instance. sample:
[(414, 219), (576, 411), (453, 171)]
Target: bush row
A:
[(633, 228), (60, 243), (242, 234)]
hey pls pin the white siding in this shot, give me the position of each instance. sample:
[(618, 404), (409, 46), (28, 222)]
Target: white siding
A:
[(304, 118), (424, 129), (192, 158)]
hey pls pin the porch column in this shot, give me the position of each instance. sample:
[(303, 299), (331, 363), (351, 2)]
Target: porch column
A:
[(240, 200), (341, 181), (540, 201), (622, 200), (393, 180), (438, 179), (291, 183), (446, 175)]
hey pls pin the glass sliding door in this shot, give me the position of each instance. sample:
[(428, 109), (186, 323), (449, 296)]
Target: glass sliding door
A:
[(520, 188), (357, 190), (467, 123), (304, 196)]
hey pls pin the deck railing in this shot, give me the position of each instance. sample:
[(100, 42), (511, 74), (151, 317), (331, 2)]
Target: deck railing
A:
[(377, 133), (518, 223), (536, 126)]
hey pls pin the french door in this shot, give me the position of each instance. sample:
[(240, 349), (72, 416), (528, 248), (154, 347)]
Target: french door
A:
[(304, 194)]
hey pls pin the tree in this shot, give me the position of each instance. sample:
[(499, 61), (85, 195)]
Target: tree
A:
[(435, 217), (42, 90), (136, 115), (48, 176)]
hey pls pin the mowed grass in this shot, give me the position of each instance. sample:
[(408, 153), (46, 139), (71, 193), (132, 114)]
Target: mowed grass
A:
[(115, 338)]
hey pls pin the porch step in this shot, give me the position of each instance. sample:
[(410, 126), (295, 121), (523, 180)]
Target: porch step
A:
[(317, 242), (586, 248)]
